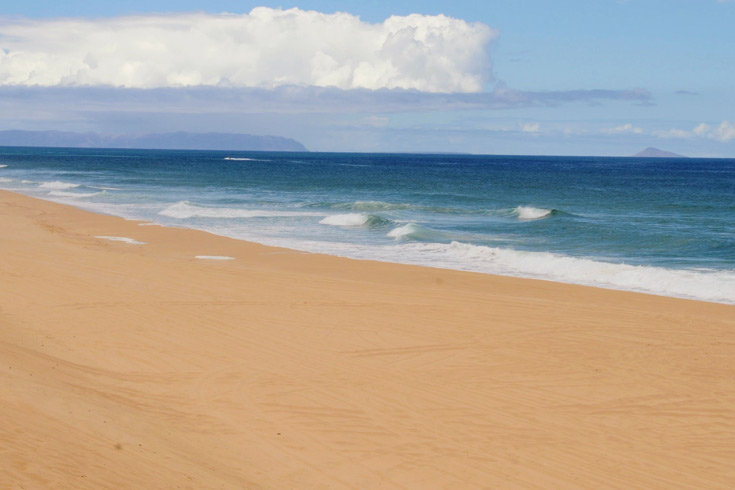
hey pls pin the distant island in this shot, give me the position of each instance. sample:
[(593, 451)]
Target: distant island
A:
[(651, 152), (158, 141)]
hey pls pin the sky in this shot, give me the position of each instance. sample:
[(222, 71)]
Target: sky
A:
[(569, 77)]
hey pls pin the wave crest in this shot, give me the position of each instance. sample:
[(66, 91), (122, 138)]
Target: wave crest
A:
[(354, 220), (530, 213), (412, 231)]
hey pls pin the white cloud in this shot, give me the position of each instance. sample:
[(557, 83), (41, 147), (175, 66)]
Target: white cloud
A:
[(266, 48), (702, 129), (625, 128), (531, 128), (724, 132), (674, 134)]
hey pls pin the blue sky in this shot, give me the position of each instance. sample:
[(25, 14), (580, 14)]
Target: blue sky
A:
[(606, 77)]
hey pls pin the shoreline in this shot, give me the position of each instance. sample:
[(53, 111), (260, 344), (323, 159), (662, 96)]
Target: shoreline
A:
[(610, 286), (140, 365)]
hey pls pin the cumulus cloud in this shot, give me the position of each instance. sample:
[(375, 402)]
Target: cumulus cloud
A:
[(624, 128), (723, 132), (265, 48)]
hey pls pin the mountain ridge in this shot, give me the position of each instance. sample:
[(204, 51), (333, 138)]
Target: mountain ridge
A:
[(179, 140)]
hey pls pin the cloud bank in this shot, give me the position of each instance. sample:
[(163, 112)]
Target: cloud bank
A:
[(289, 100), (724, 132), (265, 48)]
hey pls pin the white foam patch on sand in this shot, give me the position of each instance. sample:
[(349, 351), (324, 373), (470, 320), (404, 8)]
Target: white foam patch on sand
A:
[(121, 239), (214, 257)]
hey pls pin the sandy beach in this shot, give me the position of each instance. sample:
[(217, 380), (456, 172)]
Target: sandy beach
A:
[(137, 365)]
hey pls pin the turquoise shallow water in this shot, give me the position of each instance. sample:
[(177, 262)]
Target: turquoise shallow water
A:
[(664, 226)]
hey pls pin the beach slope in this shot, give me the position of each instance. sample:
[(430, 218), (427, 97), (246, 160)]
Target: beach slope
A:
[(136, 365)]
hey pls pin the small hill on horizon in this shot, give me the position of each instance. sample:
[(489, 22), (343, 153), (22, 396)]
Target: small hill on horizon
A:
[(153, 141), (652, 152)]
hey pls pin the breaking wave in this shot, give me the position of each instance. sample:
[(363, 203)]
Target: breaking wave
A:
[(529, 213), (718, 286), (412, 231), (354, 220)]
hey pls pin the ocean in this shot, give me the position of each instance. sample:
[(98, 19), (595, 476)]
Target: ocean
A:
[(660, 226)]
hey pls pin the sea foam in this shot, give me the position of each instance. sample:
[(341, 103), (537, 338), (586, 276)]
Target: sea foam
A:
[(412, 231), (3, 180), (243, 159), (354, 220), (184, 210), (529, 213), (351, 219), (57, 185), (718, 286), (73, 194), (390, 206), (120, 239)]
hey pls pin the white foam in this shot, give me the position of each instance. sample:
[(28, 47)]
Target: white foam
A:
[(3, 180), (214, 257), (243, 159), (718, 286), (184, 210), (73, 194), (120, 239), (703, 285), (57, 185), (373, 206), (402, 231), (412, 231), (350, 219), (3, 166), (528, 213)]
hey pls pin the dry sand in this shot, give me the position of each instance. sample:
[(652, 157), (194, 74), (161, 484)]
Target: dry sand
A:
[(140, 366)]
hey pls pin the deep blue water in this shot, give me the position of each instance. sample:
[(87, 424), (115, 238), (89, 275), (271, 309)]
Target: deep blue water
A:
[(659, 225)]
